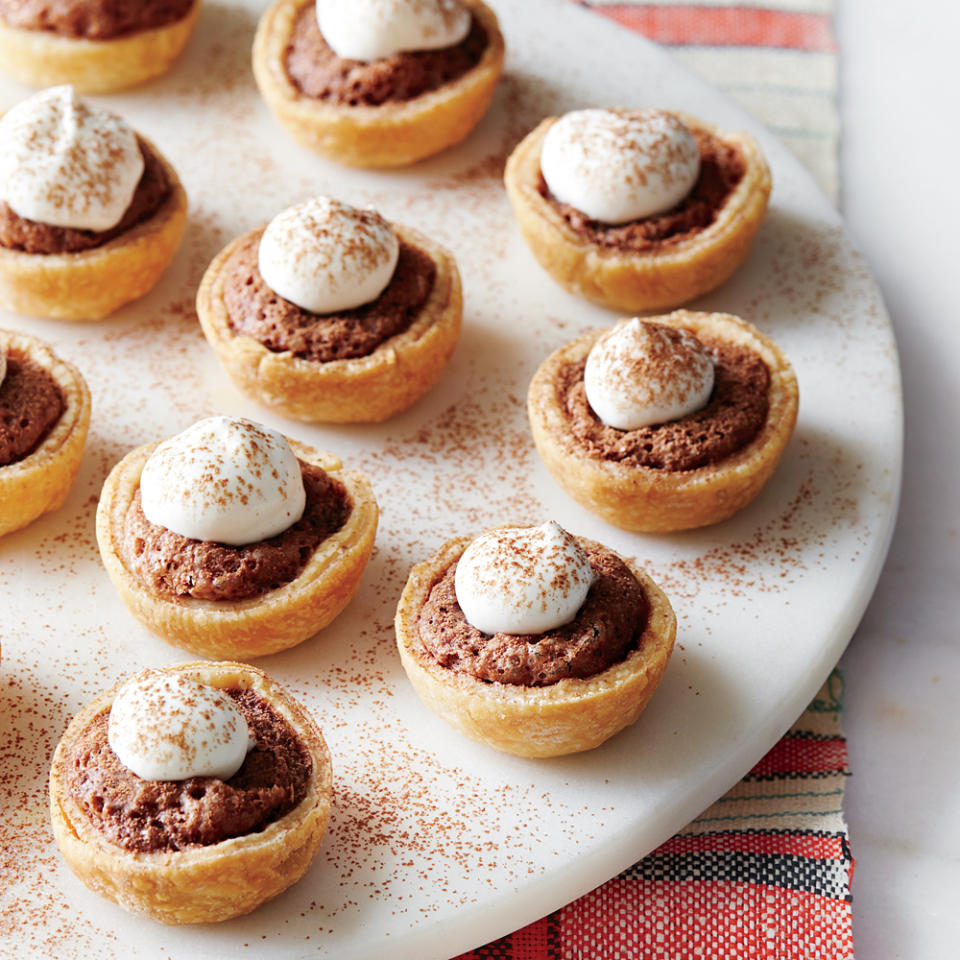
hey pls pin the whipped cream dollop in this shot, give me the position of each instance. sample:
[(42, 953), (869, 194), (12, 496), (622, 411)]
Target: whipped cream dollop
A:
[(373, 29), (224, 479), (324, 255), (642, 373), (522, 580), (164, 726), (620, 165), (67, 164)]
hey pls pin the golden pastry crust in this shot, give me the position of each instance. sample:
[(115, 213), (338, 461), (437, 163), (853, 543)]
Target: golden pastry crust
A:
[(569, 716), (667, 276), (387, 135), (204, 884), (360, 390), (40, 58), (41, 481), (257, 626), (658, 501), (93, 283)]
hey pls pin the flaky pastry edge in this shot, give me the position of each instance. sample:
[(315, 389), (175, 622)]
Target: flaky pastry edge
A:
[(666, 276), (646, 500), (257, 626), (360, 390), (386, 135), (91, 284), (569, 716), (41, 481), (209, 883), (41, 58)]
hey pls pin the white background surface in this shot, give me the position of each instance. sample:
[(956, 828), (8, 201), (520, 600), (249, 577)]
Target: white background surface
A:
[(900, 95)]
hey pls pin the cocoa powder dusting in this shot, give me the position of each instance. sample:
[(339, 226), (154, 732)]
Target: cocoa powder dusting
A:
[(38, 917)]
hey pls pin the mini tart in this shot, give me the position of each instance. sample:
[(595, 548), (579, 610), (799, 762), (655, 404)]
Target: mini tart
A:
[(672, 273), (640, 498), (569, 716), (206, 883), (40, 58), (360, 390), (391, 134), (41, 481), (257, 626), (93, 283)]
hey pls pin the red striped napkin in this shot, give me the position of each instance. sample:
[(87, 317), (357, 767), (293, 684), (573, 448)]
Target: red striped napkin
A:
[(765, 872), (778, 59)]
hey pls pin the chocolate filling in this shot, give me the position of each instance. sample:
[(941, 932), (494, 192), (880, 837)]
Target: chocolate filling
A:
[(29, 236), (93, 19), (607, 627), (255, 311), (162, 816), (320, 74), (31, 402), (734, 415), (721, 168), (171, 565)]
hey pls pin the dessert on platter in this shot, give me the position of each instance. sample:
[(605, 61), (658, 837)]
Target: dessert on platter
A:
[(668, 423), (44, 417), (430, 829), (230, 540), (192, 793), (332, 314), (378, 83), (91, 213), (533, 641), (637, 209), (99, 46)]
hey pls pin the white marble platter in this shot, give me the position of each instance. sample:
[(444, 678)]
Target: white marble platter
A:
[(431, 833)]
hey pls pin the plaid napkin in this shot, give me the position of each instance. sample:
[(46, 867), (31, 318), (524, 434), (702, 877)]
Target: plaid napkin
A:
[(765, 872)]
